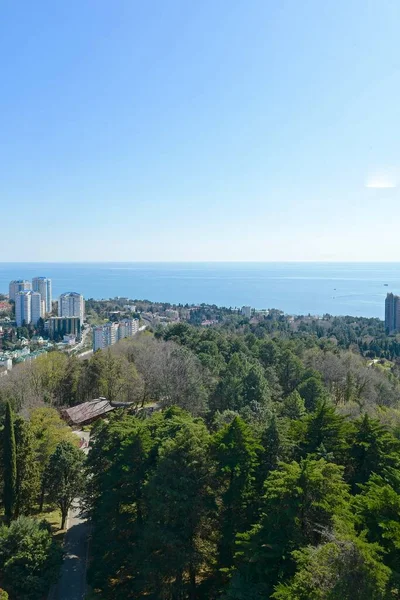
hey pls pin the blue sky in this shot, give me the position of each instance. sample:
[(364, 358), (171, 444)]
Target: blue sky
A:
[(212, 130)]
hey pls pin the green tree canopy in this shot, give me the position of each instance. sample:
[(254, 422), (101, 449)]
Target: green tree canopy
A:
[(119, 462), (30, 559), (28, 477), (293, 406), (313, 495), (342, 569), (325, 426), (48, 430), (229, 393), (10, 464), (255, 386), (270, 452), (268, 353), (235, 452), (373, 450), (377, 511), (313, 391), (290, 371), (179, 533), (64, 476)]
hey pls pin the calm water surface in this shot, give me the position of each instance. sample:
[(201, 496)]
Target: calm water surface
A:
[(296, 288)]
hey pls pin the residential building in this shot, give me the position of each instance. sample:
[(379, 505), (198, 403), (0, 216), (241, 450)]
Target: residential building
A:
[(246, 311), (104, 336), (37, 306), (58, 327), (108, 334), (392, 313), (18, 285), (28, 308), (98, 338), (131, 307), (127, 328), (71, 304), (43, 286)]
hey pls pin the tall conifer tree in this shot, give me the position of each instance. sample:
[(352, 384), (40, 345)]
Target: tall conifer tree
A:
[(10, 464)]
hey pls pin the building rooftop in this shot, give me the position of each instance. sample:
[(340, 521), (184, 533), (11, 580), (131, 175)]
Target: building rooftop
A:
[(88, 410)]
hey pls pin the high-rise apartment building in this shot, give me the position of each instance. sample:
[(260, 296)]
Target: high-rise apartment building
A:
[(71, 304), (392, 313), (28, 307), (43, 286), (18, 285)]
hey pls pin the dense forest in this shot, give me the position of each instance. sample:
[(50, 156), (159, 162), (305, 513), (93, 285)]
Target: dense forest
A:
[(277, 476), (269, 467)]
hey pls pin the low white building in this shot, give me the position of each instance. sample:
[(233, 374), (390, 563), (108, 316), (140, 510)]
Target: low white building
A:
[(130, 307)]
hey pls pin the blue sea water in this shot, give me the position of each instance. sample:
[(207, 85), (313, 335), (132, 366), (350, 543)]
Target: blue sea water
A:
[(297, 288)]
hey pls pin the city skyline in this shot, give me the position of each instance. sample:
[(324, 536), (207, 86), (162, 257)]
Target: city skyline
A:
[(209, 132)]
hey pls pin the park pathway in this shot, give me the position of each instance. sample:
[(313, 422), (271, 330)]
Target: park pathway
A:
[(72, 582)]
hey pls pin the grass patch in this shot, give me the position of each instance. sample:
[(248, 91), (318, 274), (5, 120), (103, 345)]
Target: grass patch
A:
[(53, 517)]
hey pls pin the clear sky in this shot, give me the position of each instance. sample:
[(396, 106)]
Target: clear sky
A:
[(211, 130)]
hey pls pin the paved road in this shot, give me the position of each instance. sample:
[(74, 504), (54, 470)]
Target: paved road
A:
[(72, 582)]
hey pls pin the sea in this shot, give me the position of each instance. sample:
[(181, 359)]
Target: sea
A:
[(356, 289)]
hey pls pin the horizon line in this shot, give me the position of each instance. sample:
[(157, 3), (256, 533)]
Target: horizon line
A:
[(166, 262)]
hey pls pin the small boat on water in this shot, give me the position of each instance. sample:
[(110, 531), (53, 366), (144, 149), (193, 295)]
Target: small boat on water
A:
[(386, 284)]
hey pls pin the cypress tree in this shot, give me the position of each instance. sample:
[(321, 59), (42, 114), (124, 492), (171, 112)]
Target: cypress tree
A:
[(10, 464), (27, 481)]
